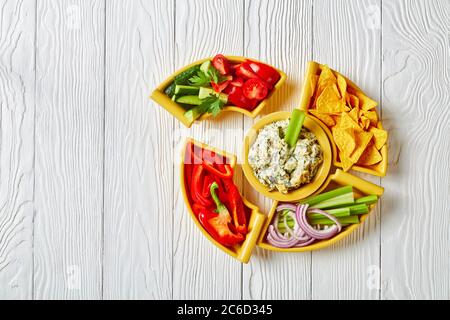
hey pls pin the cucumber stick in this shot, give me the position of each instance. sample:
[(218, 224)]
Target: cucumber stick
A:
[(193, 100), (183, 90)]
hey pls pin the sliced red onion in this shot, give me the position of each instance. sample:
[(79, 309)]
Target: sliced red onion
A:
[(306, 243), (300, 214), (287, 206)]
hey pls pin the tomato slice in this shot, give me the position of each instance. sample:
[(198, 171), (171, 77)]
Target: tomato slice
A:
[(237, 98), (221, 64), (265, 72), (244, 71), (255, 89), (238, 82)]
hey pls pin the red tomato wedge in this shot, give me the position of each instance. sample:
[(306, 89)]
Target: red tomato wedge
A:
[(237, 98), (243, 70), (255, 89), (265, 72), (238, 82), (221, 64)]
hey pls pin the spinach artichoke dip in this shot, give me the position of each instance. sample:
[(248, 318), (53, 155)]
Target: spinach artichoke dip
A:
[(280, 167)]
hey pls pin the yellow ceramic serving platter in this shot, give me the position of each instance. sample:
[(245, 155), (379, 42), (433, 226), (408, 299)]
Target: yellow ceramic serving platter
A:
[(314, 69), (240, 252), (178, 111), (324, 180), (312, 125), (340, 178)]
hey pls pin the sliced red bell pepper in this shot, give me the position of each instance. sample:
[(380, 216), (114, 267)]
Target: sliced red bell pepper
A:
[(221, 86), (197, 186), (221, 64), (226, 174), (237, 98), (217, 223), (265, 72), (236, 206), (207, 182)]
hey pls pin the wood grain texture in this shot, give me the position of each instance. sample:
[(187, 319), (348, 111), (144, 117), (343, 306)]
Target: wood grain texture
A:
[(138, 152), (416, 215), (69, 149), (279, 33), (17, 31), (200, 270), (347, 37)]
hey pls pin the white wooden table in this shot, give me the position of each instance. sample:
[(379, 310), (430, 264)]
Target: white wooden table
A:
[(90, 204)]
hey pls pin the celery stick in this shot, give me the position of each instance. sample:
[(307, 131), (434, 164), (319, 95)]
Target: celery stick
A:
[(367, 199), (327, 195), (359, 209), (294, 127), (340, 201), (342, 220), (340, 212)]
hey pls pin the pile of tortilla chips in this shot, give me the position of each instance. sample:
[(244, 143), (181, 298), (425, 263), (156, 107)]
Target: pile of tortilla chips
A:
[(351, 116)]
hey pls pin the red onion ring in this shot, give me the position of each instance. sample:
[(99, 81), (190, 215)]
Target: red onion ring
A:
[(300, 213)]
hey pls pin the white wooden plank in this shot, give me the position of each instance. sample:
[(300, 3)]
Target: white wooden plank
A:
[(17, 31), (347, 38), (138, 146), (416, 216), (279, 33), (200, 270), (69, 149)]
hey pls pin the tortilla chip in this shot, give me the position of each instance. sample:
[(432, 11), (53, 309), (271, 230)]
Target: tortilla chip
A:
[(325, 118), (370, 156), (345, 140), (354, 114), (342, 85), (379, 136), (352, 100), (347, 122), (364, 122), (326, 79), (329, 102), (372, 115), (365, 102), (346, 163), (362, 140)]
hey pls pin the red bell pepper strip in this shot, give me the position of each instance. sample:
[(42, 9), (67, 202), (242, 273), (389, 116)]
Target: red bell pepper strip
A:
[(265, 72), (236, 206), (221, 86), (220, 174), (208, 181), (197, 186), (217, 223)]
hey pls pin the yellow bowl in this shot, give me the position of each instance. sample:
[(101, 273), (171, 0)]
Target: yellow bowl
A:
[(361, 188), (243, 251), (178, 111), (305, 190), (314, 69)]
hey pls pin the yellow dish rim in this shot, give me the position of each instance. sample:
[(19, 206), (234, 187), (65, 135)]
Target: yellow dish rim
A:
[(177, 111), (342, 178), (378, 169), (240, 252), (305, 190)]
